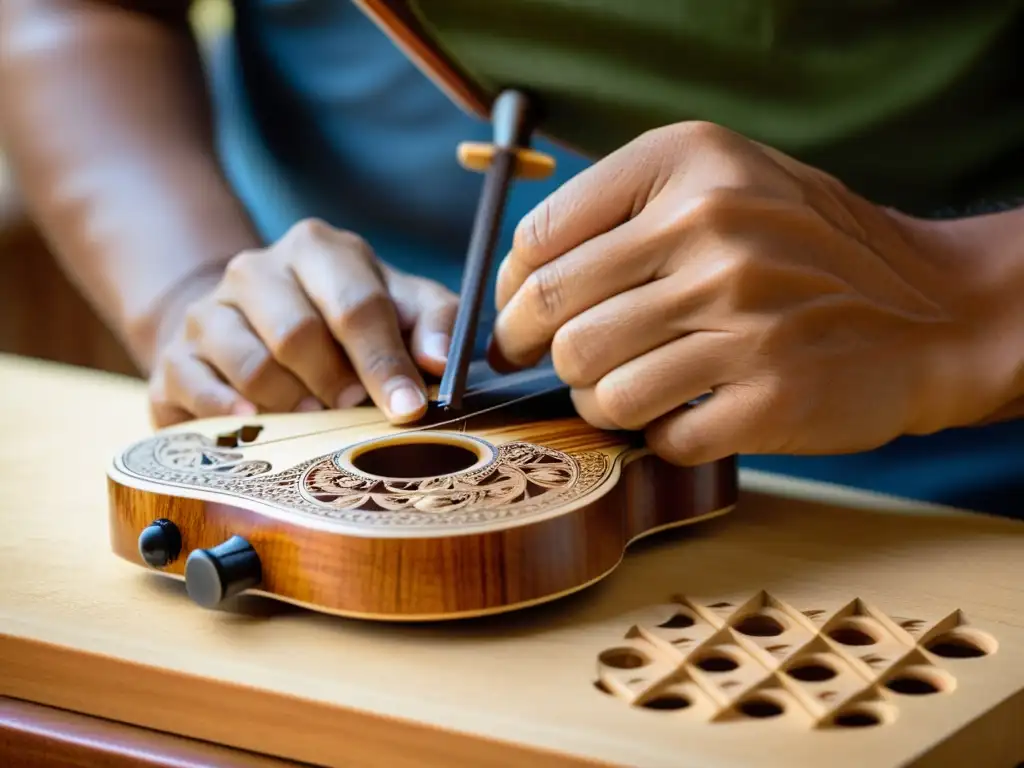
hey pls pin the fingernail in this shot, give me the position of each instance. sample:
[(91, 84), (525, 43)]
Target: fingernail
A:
[(351, 396), (244, 409), (406, 399), (436, 346), (308, 404)]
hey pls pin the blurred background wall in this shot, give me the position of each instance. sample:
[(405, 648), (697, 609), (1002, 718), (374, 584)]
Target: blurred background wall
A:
[(41, 312)]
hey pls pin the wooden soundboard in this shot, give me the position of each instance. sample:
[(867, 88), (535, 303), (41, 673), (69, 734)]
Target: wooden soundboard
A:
[(812, 626)]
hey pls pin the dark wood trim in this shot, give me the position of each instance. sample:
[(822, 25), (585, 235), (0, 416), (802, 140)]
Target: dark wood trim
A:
[(34, 736), (331, 735), (396, 20)]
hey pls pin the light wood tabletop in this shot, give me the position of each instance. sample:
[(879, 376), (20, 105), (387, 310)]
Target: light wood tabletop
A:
[(82, 631)]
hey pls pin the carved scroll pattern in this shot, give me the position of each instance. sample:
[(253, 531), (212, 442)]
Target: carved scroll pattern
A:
[(193, 458), (523, 480)]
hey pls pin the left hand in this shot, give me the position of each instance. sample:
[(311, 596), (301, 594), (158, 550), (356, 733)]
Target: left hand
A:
[(695, 261)]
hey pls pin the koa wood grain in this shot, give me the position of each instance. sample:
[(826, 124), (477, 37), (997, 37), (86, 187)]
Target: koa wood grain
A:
[(340, 512)]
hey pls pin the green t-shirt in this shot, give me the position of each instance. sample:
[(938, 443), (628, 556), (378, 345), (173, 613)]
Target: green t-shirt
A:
[(917, 105)]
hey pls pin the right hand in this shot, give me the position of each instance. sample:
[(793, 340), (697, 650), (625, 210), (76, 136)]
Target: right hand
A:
[(314, 320)]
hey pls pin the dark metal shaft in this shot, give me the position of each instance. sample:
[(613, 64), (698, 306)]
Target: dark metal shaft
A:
[(511, 132), (486, 228)]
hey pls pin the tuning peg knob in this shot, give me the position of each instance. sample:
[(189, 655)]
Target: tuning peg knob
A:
[(160, 543), (216, 574)]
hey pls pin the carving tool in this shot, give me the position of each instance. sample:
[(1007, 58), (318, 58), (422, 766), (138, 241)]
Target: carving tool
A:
[(508, 156)]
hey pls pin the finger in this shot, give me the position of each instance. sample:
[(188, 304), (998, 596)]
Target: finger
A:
[(162, 414), (642, 390), (354, 301), (584, 400), (429, 309), (589, 409), (227, 343), (628, 325), (685, 252), (645, 388), (291, 328), (569, 285), (593, 202), (695, 158), (162, 411), (193, 386), (731, 421)]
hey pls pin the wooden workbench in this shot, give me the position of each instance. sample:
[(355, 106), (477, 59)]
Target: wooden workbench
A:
[(112, 659)]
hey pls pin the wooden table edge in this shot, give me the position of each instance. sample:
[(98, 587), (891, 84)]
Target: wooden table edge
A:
[(40, 736), (356, 736)]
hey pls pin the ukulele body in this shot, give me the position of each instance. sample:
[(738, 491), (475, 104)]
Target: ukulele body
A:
[(342, 513)]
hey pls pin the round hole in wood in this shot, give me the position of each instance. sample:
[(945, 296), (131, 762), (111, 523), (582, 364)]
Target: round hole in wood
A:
[(912, 685), (415, 459), (852, 634), (668, 701), (622, 658), (760, 708), (961, 644), (679, 621), (759, 625), (717, 662), (857, 718), (811, 672)]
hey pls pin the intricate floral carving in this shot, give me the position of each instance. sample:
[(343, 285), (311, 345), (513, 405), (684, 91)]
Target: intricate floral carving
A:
[(192, 459), (521, 480)]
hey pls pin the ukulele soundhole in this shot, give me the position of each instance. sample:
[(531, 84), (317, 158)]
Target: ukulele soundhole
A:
[(411, 460)]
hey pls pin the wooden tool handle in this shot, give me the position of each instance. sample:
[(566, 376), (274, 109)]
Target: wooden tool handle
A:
[(531, 165)]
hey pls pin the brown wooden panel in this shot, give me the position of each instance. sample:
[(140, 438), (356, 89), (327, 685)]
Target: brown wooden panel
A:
[(33, 736)]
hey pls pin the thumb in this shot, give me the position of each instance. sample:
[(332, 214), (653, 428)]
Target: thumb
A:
[(594, 202), (429, 310)]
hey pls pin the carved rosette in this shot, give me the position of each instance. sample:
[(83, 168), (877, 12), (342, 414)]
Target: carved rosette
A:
[(522, 480)]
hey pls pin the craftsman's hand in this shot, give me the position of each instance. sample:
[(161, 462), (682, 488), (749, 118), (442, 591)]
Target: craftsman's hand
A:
[(695, 261), (315, 320)]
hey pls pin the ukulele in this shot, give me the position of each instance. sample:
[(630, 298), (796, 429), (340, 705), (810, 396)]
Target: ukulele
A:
[(513, 502)]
